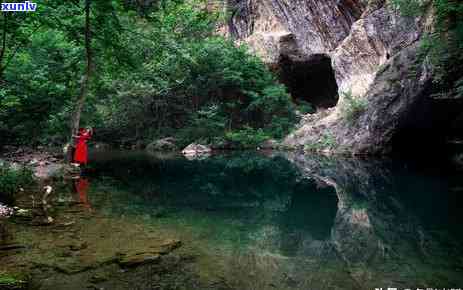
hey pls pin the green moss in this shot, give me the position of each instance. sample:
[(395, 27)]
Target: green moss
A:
[(8, 281)]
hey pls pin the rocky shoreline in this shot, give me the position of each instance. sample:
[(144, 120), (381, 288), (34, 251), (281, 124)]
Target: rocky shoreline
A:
[(82, 249), (50, 239)]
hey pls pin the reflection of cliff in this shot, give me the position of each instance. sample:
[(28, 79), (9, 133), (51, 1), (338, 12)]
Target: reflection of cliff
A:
[(295, 220), (380, 224)]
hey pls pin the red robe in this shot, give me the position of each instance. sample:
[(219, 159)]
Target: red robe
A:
[(80, 155)]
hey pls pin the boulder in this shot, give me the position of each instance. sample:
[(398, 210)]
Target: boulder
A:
[(47, 171), (196, 149), (162, 145), (5, 211)]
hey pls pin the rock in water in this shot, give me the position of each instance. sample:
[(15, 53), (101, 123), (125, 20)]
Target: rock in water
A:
[(162, 145), (196, 149)]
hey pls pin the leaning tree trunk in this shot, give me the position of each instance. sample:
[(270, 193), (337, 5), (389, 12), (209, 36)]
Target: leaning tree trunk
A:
[(85, 80), (3, 43)]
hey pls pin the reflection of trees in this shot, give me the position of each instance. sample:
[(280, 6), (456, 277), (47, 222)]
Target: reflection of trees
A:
[(302, 216), (247, 180)]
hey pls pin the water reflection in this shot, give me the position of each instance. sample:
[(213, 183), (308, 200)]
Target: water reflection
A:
[(288, 221), (81, 186)]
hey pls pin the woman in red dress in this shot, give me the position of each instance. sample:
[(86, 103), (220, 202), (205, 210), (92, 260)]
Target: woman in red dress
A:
[(80, 155)]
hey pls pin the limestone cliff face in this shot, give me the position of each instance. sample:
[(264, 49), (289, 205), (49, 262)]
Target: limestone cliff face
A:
[(358, 36), (292, 27), (372, 49)]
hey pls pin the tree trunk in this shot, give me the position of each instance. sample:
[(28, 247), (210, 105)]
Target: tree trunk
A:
[(3, 43), (85, 80)]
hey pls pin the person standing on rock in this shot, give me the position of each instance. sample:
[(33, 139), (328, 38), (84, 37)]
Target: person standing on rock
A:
[(80, 154)]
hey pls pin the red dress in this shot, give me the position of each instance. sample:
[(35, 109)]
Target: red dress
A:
[(80, 155)]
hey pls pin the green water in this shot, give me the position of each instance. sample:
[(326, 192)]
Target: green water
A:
[(286, 221)]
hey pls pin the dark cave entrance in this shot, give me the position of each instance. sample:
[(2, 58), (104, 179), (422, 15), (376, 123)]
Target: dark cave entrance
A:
[(310, 80), (430, 128)]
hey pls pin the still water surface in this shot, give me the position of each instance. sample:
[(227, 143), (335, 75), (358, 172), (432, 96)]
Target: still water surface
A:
[(287, 221)]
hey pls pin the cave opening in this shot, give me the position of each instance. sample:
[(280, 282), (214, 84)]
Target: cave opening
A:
[(432, 125), (310, 80)]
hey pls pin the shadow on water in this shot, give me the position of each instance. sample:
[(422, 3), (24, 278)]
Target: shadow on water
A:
[(289, 221)]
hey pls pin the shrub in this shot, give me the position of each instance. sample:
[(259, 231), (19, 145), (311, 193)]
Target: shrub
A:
[(411, 8), (11, 180), (352, 107), (305, 107), (444, 46), (247, 137), (326, 141)]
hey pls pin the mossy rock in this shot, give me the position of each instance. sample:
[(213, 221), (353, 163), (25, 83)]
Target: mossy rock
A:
[(162, 145)]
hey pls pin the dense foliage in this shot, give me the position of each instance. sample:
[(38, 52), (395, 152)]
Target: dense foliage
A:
[(444, 45), (12, 180), (157, 74)]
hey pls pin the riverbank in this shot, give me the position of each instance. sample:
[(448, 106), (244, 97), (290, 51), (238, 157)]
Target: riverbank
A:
[(53, 239), (45, 163), (82, 249)]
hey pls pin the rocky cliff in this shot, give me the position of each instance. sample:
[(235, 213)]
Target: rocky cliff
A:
[(357, 60)]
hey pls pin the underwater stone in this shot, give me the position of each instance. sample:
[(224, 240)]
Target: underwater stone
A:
[(139, 259)]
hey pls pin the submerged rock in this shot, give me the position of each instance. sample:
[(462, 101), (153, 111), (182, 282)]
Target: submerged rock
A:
[(98, 278), (152, 255), (139, 259), (168, 246)]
